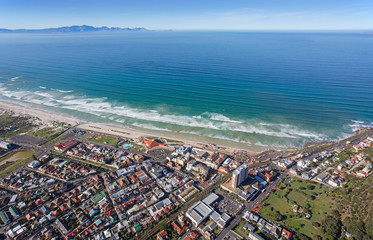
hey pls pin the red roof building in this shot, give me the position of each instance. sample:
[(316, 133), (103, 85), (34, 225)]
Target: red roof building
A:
[(66, 146), (162, 235), (177, 228), (287, 234), (152, 143)]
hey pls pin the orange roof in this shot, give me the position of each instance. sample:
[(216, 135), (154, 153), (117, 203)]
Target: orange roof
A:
[(177, 228), (162, 233), (152, 143), (287, 234)]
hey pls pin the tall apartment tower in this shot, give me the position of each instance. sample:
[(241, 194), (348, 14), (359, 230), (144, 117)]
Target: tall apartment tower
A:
[(240, 175)]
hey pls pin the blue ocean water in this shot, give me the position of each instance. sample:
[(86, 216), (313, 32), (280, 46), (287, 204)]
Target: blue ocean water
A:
[(255, 89)]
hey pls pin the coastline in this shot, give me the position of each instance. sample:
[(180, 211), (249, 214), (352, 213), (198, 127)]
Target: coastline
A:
[(42, 114), (47, 116)]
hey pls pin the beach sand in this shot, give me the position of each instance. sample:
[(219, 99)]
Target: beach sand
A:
[(43, 115), (46, 116)]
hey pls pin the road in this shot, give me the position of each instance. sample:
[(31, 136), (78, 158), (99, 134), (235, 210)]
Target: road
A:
[(251, 205), (183, 208)]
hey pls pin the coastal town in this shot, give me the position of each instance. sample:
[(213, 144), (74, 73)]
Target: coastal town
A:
[(60, 181)]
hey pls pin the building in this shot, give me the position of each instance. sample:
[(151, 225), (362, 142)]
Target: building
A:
[(66, 146), (5, 145), (199, 212), (211, 199), (152, 143), (4, 217), (248, 227), (15, 230), (184, 149), (34, 164), (255, 236), (162, 235), (240, 175)]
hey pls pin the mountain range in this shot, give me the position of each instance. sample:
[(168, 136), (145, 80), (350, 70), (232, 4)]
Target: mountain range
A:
[(69, 29)]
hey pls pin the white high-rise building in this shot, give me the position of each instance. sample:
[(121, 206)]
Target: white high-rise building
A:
[(240, 175)]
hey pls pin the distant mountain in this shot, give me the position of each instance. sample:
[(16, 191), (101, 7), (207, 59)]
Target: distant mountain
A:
[(83, 28)]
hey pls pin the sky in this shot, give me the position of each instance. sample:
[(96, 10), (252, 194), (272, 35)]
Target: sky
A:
[(190, 14)]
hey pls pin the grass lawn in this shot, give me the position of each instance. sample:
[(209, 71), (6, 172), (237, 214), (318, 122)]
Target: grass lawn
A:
[(239, 228), (299, 192), (47, 133), (15, 160), (105, 139)]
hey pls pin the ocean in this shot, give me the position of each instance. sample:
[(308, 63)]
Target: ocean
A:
[(252, 89)]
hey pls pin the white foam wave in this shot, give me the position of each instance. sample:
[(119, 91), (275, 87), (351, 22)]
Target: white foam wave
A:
[(151, 127), (215, 117), (63, 91), (239, 140), (101, 107), (357, 125), (14, 78), (42, 87)]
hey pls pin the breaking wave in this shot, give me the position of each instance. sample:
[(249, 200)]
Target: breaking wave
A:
[(150, 127), (14, 78), (214, 125), (357, 125)]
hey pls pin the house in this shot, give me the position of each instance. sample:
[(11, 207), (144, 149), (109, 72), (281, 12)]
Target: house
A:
[(268, 176), (285, 163), (286, 233), (162, 235), (34, 164), (177, 228), (323, 177), (303, 164), (248, 227), (306, 175)]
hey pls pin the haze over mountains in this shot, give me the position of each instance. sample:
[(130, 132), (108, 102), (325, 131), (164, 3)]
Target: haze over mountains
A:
[(82, 28)]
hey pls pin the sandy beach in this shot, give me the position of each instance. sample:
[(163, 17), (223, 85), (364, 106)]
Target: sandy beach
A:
[(46, 116)]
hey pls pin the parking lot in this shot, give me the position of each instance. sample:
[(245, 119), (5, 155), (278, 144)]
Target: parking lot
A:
[(229, 205)]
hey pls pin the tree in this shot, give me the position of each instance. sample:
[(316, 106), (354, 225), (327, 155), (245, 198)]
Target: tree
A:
[(301, 236), (331, 227), (356, 228), (336, 214), (278, 216), (316, 224)]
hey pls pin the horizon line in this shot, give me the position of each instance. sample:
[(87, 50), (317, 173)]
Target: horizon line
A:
[(191, 29)]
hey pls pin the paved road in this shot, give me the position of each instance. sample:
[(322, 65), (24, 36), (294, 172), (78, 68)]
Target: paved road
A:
[(183, 208), (249, 206)]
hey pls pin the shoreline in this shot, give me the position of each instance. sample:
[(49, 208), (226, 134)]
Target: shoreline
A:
[(48, 116), (45, 116)]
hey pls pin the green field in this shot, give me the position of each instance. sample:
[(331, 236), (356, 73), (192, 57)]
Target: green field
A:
[(15, 160), (23, 124), (47, 133), (104, 139), (314, 198)]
